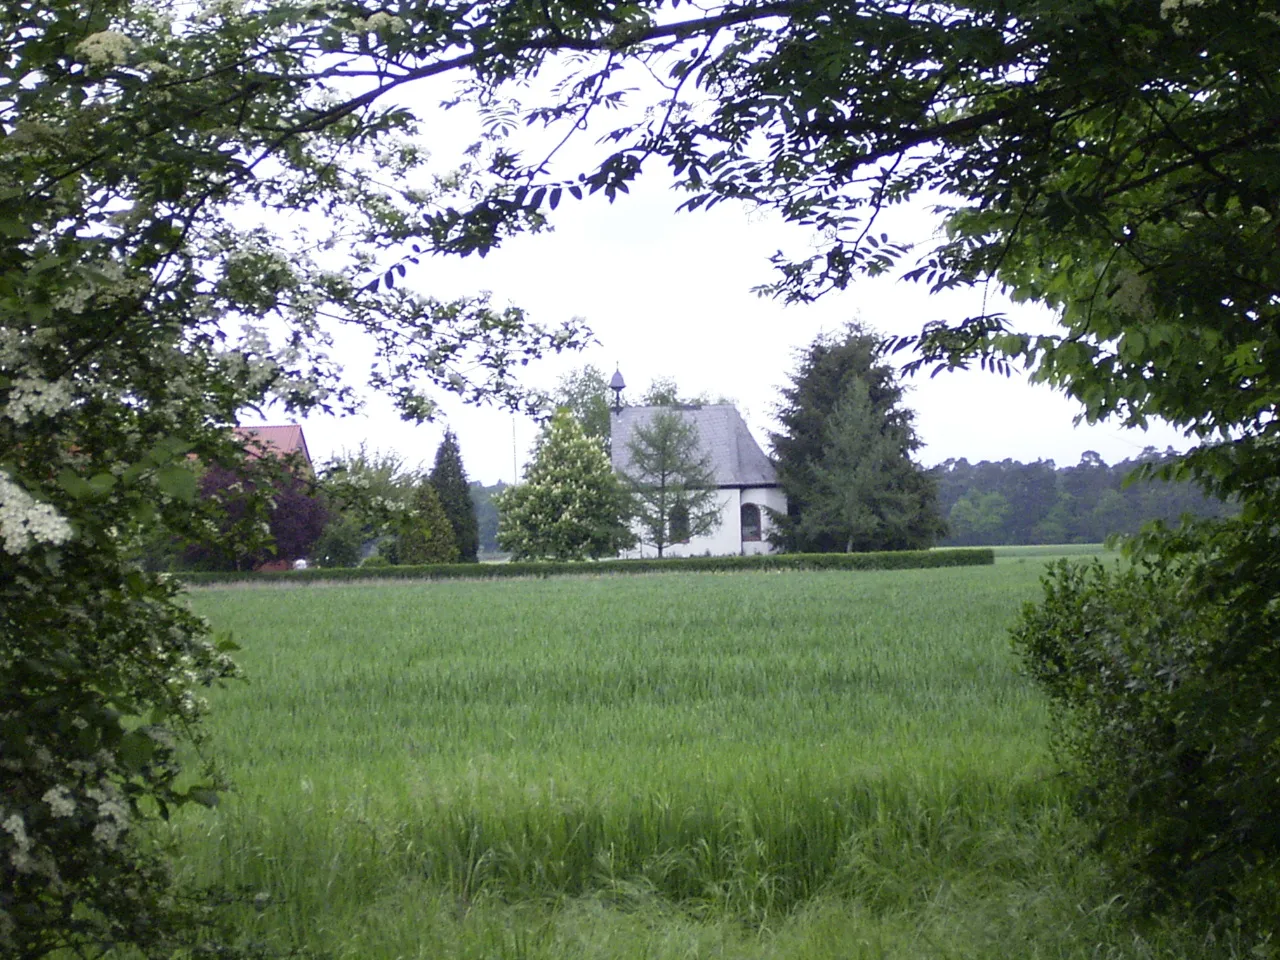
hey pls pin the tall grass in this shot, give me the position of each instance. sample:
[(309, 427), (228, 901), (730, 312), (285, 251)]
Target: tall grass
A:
[(793, 764)]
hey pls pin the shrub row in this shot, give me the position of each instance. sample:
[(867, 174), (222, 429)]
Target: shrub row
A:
[(893, 560)]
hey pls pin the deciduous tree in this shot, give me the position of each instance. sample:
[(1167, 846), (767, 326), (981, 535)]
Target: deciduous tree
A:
[(585, 393), (295, 517), (369, 492), (663, 391), (570, 506), (671, 481), (341, 543), (487, 513), (978, 518), (168, 174)]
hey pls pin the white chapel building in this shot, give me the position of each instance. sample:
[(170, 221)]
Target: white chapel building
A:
[(745, 478)]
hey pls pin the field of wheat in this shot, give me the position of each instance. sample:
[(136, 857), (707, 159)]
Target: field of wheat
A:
[(672, 765)]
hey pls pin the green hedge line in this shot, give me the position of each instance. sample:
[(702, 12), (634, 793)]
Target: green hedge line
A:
[(894, 560)]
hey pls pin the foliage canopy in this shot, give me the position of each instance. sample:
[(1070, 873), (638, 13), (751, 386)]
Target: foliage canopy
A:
[(844, 453), (570, 506), (295, 517), (1117, 161), (1010, 502), (153, 161), (586, 394)]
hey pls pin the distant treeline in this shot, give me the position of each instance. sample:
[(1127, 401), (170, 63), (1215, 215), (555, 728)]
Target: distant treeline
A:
[(988, 504)]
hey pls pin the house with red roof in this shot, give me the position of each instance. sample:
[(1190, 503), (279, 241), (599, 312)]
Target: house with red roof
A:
[(284, 440)]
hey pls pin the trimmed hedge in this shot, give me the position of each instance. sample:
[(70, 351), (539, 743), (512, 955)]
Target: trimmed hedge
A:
[(891, 560)]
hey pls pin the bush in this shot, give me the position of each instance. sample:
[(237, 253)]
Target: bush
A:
[(340, 543), (893, 560), (1168, 728)]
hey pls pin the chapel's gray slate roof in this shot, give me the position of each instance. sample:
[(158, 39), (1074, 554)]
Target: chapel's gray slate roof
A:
[(736, 458)]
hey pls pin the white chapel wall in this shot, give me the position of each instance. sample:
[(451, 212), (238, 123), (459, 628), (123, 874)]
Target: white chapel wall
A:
[(764, 497), (726, 540)]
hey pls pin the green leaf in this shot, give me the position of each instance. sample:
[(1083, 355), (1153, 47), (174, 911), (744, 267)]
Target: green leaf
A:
[(1133, 344), (74, 484), (136, 749), (177, 482), (167, 449), (224, 644), (101, 484)]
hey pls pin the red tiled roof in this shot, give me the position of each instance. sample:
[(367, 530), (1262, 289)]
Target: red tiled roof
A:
[(284, 440)]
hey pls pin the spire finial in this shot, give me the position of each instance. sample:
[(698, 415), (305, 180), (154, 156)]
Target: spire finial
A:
[(617, 385)]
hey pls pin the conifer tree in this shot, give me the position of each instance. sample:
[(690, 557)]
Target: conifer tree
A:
[(818, 453), (866, 490), (449, 478), (671, 482), (425, 534)]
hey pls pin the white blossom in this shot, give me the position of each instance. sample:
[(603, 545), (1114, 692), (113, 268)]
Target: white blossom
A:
[(25, 520), (7, 926), (1169, 11), (377, 23), (16, 827), (106, 48), (226, 9), (113, 815), (1132, 296), (1169, 7), (13, 348), (30, 397), (59, 800)]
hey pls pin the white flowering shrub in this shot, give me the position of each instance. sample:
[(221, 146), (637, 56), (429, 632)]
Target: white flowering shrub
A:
[(80, 776), (570, 506)]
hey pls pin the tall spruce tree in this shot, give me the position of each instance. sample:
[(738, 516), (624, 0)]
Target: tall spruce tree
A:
[(449, 478), (847, 438), (862, 491)]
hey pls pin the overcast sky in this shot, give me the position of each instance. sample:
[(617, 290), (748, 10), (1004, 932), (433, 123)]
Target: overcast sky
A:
[(669, 294)]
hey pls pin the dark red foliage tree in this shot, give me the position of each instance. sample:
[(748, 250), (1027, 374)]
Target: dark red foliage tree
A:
[(295, 518)]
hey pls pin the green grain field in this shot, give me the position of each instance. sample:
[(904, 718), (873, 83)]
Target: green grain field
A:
[(745, 765)]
